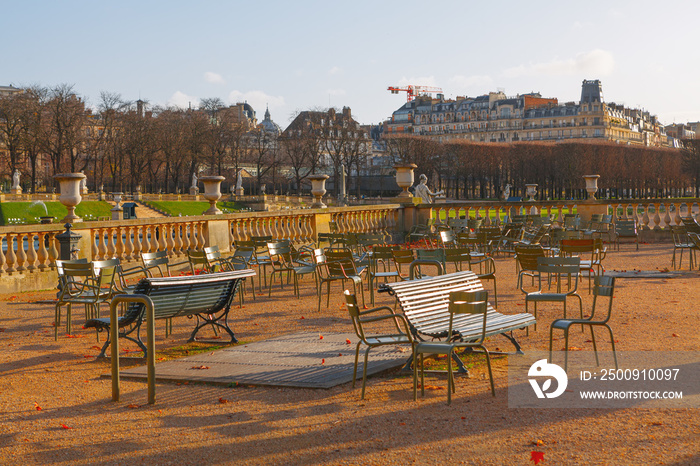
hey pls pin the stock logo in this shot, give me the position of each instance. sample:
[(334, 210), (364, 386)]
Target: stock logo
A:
[(542, 368)]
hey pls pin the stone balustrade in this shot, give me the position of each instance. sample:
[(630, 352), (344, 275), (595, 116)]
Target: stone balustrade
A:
[(29, 252), (650, 214)]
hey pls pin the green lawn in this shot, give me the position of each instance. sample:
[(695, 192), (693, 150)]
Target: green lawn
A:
[(12, 213), (503, 213), (185, 208)]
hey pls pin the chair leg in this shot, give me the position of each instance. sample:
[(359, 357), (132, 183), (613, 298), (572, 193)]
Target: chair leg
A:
[(566, 348), (364, 373), (450, 380), (495, 293), (415, 376), (595, 347), (488, 364), (612, 341), (354, 370)]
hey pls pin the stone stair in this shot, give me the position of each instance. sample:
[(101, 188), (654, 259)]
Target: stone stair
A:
[(143, 211)]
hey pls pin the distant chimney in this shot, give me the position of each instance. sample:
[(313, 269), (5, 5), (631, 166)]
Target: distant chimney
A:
[(346, 112), (139, 107)]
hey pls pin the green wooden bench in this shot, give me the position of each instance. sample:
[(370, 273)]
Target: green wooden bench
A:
[(425, 303), (207, 297)]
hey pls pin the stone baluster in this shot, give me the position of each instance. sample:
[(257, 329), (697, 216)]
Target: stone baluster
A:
[(138, 246), (231, 236), (111, 249), (101, 246), (53, 250), (11, 257), (129, 245), (31, 253), (177, 244), (43, 255), (3, 261), (119, 246), (162, 233), (21, 256), (169, 230), (145, 241), (677, 217)]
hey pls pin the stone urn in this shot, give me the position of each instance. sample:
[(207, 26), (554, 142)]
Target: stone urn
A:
[(531, 191), (404, 178), (70, 194), (212, 192), (318, 189), (591, 186), (117, 209)]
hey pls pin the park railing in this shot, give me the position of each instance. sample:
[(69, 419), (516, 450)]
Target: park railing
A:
[(30, 251), (650, 214)]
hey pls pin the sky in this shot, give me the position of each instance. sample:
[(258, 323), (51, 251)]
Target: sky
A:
[(302, 55)]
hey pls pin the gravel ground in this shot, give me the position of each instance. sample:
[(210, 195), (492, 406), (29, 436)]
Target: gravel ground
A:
[(56, 408)]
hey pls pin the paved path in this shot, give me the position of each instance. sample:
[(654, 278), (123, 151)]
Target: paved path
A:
[(304, 360)]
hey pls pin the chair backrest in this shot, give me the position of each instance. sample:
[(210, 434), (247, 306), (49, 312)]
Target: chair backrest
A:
[(576, 246), (527, 257), (695, 239), (469, 302), (474, 223), (691, 225), (403, 256), (626, 227), (198, 258), (242, 257), (447, 239), (680, 235), (155, 259), (105, 272), (340, 263), (604, 285), (559, 265), (458, 256), (383, 252), (281, 252)]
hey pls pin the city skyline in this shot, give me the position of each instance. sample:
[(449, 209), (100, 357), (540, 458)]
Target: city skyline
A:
[(305, 55)]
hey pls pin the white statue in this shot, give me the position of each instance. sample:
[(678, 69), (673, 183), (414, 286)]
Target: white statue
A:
[(83, 183), (506, 193), (263, 188), (194, 179), (239, 180), (424, 192), (15, 179)]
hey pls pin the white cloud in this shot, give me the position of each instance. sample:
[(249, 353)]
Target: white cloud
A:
[(335, 70), (258, 100), (182, 100), (214, 78), (336, 92), (462, 83), (594, 63)]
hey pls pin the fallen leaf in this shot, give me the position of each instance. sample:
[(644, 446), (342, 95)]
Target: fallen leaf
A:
[(657, 423), (537, 443), (301, 318), (320, 337), (536, 456), (63, 426), (36, 405), (223, 400), (675, 335), (323, 361), (95, 347), (199, 367), (133, 406), (347, 340)]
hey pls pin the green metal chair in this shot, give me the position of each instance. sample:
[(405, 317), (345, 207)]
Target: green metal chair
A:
[(337, 265), (560, 269), (604, 286), (461, 302), (281, 261), (81, 285), (402, 336), (626, 229), (381, 257), (403, 257), (682, 242)]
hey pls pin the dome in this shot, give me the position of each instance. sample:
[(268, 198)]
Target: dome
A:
[(248, 110), (270, 126)]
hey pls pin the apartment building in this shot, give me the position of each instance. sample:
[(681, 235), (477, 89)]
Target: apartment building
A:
[(528, 117)]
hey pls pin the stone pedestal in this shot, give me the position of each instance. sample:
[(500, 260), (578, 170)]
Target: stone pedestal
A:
[(117, 210), (240, 191), (194, 190)]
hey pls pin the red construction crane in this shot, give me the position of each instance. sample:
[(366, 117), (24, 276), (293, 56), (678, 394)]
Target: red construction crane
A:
[(414, 91)]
